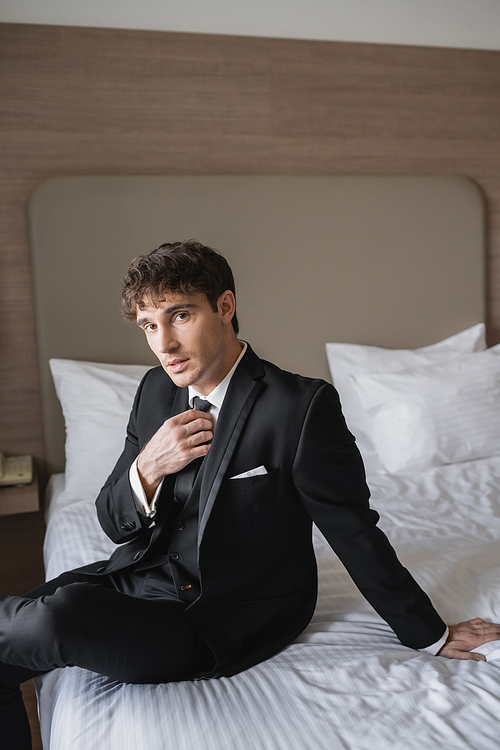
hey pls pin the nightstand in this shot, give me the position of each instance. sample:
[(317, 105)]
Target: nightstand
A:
[(20, 499)]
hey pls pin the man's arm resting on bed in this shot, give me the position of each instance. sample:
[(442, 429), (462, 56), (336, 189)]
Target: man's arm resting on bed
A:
[(341, 510)]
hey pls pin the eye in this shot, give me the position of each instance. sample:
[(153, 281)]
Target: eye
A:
[(182, 316), (149, 327)]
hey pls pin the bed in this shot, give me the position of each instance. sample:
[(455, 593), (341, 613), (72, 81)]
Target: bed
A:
[(346, 682)]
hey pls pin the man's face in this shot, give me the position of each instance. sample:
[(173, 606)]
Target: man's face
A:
[(190, 340)]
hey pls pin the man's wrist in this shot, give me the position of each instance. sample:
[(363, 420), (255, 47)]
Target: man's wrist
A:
[(434, 648), (149, 482), (146, 505)]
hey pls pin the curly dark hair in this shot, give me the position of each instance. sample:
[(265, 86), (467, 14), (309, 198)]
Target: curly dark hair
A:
[(186, 267)]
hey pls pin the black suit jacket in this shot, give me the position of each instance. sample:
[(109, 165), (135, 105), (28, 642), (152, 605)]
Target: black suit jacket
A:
[(256, 560)]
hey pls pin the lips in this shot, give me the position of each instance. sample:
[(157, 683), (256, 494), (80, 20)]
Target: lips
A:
[(176, 365)]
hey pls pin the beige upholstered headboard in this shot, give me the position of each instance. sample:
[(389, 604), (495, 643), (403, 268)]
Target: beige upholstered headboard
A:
[(389, 261)]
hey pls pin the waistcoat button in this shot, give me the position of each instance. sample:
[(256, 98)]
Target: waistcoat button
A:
[(180, 525), (174, 555)]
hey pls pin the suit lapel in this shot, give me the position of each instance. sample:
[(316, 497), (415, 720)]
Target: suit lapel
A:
[(168, 401), (180, 402), (240, 397)]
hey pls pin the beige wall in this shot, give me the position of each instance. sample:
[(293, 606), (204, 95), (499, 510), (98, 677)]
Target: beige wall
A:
[(389, 261)]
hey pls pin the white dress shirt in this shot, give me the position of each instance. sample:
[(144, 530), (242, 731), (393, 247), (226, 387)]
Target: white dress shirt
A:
[(216, 398)]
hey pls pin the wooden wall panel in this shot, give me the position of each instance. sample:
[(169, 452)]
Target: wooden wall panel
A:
[(98, 101)]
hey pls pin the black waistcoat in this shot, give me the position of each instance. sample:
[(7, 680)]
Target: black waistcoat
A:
[(170, 567), (182, 549)]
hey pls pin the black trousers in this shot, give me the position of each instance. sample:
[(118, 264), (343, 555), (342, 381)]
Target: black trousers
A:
[(74, 620)]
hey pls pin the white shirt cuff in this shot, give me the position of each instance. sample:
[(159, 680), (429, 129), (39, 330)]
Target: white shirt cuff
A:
[(434, 648), (145, 508)]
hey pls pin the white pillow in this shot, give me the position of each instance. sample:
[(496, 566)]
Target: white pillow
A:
[(96, 400), (345, 360), (438, 414)]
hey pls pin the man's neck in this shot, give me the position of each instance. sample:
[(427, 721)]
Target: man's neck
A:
[(232, 354), (217, 394)]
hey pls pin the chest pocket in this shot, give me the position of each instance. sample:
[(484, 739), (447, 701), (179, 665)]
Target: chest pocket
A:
[(250, 484)]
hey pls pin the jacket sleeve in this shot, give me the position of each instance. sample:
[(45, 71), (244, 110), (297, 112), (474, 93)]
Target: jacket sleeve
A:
[(116, 506), (329, 476)]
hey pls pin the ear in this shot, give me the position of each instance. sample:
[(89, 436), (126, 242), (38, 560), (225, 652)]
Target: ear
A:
[(226, 305)]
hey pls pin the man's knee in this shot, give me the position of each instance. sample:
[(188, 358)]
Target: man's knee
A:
[(37, 634), (66, 609)]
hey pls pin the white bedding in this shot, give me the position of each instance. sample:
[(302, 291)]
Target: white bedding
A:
[(347, 682)]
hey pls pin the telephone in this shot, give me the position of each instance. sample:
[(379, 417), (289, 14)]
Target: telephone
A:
[(16, 469)]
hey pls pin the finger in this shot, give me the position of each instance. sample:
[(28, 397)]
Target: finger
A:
[(198, 438), (188, 416), (468, 655), (199, 423), (195, 414), (455, 653), (197, 451)]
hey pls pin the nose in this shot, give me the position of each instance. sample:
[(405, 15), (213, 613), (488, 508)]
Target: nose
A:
[(166, 341)]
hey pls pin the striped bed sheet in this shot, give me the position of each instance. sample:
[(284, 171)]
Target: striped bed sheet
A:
[(346, 683)]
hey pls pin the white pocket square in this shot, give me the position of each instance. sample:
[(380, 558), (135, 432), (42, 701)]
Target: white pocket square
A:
[(251, 473)]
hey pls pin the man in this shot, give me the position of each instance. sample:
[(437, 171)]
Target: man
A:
[(227, 462)]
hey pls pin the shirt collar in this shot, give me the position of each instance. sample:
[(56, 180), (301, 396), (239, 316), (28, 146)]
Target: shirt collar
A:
[(216, 397)]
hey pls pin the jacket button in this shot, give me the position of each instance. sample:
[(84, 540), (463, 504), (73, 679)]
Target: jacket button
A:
[(101, 570), (180, 525), (137, 555), (174, 555)]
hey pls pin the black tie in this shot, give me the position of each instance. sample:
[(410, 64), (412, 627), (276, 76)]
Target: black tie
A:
[(186, 476)]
